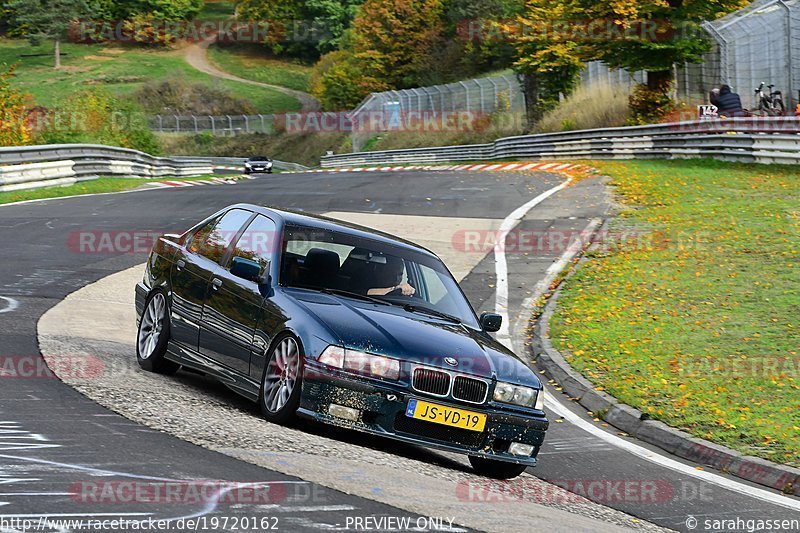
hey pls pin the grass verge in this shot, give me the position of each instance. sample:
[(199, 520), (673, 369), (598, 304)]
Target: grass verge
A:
[(697, 324), (249, 61), (304, 148), (99, 185), (121, 69)]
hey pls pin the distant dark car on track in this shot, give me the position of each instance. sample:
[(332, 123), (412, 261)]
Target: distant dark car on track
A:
[(342, 324), (258, 164)]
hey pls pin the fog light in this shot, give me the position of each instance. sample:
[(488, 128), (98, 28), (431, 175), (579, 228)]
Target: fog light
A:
[(518, 448), (340, 411)]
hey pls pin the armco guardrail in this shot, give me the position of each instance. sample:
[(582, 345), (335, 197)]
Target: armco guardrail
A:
[(30, 167), (754, 139), (239, 162)]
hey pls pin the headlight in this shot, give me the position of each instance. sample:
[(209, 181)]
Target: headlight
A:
[(247, 165), (525, 396), (361, 362)]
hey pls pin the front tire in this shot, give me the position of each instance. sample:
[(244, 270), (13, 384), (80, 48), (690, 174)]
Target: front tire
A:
[(153, 336), (282, 382), (495, 469)]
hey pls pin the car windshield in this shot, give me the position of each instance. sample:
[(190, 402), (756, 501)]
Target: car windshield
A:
[(368, 269), (258, 159)]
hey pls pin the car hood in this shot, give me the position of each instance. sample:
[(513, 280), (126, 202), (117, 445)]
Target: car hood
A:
[(414, 337)]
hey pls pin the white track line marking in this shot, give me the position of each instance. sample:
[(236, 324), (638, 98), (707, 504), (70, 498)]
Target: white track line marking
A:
[(555, 405), (11, 306), (500, 264)]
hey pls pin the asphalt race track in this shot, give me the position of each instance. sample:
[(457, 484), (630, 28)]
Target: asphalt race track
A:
[(52, 437)]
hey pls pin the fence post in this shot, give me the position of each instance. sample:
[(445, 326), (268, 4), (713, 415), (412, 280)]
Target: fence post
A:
[(213, 125), (480, 93), (160, 124), (246, 124), (195, 124), (466, 93), (230, 124), (789, 54), (177, 124), (495, 89), (263, 127)]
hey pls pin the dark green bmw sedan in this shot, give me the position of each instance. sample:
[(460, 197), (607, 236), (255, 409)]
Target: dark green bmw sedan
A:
[(342, 324)]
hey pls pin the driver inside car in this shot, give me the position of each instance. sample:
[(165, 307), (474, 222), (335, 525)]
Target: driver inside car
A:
[(389, 278)]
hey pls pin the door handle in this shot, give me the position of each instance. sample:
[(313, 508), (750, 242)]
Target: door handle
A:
[(180, 264), (216, 283)]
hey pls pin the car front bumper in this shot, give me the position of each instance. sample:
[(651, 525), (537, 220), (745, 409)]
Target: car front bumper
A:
[(382, 409)]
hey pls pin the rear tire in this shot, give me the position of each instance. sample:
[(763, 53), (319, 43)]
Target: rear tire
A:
[(282, 381), (496, 469), (153, 336)]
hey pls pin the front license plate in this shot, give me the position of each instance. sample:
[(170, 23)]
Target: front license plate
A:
[(447, 416)]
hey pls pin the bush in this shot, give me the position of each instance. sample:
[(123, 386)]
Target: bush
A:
[(649, 106), (14, 129), (304, 148), (597, 106), (95, 116), (176, 96)]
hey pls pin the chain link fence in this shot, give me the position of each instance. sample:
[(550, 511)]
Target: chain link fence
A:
[(480, 95), (222, 125), (759, 43)]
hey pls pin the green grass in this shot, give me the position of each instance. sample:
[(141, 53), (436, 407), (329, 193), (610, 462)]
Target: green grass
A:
[(221, 10), (121, 69), (99, 185), (252, 62), (701, 329)]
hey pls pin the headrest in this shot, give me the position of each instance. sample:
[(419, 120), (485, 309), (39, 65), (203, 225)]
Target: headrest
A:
[(318, 259)]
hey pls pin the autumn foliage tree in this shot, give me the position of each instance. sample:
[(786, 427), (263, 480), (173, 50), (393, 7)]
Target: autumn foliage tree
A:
[(649, 35), (392, 41), (14, 130)]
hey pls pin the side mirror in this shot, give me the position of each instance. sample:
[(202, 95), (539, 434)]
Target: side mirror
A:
[(491, 322), (248, 269)]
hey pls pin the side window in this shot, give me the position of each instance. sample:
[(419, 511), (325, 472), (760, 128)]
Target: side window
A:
[(436, 288), (258, 242), (196, 243), (212, 241)]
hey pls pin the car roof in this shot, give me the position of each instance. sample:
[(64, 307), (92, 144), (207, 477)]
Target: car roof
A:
[(298, 218)]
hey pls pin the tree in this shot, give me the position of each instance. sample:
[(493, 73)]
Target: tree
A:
[(553, 38), (305, 29), (48, 20), (650, 35), (392, 40), (14, 129), (339, 83), (549, 67)]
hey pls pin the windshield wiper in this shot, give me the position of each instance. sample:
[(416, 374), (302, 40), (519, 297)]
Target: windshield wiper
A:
[(340, 292), (433, 312)]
